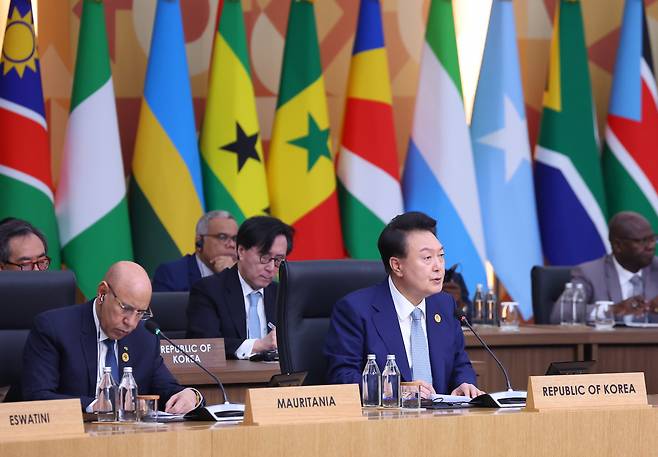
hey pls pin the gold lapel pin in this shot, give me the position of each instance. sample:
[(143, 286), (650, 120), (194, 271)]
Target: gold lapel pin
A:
[(125, 357), (437, 318)]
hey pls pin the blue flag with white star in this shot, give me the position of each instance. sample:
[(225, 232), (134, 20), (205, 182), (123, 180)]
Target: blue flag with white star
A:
[(503, 163)]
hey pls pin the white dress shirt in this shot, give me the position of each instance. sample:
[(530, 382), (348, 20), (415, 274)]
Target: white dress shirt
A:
[(404, 308), (245, 349), (203, 268)]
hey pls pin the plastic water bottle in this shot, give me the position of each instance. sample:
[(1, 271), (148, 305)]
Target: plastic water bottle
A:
[(127, 408), (490, 309), (106, 396), (371, 383), (478, 305), (391, 383), (566, 304), (578, 305)]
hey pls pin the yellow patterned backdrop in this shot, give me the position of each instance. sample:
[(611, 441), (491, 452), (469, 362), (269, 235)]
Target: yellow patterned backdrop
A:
[(129, 24)]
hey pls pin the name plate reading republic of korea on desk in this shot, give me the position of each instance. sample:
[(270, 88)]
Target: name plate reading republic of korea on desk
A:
[(586, 391), (209, 352), (49, 418), (278, 405)]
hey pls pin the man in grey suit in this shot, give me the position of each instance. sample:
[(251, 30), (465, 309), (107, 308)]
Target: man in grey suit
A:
[(628, 277)]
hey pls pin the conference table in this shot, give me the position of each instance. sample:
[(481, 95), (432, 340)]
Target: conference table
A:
[(472, 432)]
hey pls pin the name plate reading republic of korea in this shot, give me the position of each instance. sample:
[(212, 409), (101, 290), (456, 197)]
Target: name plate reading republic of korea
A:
[(209, 352), (278, 405), (49, 418), (586, 391)]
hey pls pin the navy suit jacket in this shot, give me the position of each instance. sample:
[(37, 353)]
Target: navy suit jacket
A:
[(365, 322), (60, 359), (177, 275), (216, 309)]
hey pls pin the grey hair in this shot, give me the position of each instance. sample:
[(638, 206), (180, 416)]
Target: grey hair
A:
[(202, 225)]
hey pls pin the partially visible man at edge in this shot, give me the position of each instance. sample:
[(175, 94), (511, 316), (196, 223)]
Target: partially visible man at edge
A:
[(214, 251), (68, 347), (22, 246)]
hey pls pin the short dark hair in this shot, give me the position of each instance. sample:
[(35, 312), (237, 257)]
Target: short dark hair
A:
[(11, 228), (393, 239), (260, 231)]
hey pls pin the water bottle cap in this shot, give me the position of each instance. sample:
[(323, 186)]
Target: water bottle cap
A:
[(390, 357), (107, 369), (569, 284), (127, 369), (478, 286), (372, 357), (579, 286)]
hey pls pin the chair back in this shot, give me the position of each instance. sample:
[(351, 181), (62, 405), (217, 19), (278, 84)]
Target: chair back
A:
[(547, 285), (169, 310), (307, 293)]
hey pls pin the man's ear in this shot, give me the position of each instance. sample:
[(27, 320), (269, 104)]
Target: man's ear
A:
[(396, 266)]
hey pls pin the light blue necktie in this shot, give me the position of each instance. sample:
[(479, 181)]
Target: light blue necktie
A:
[(420, 355), (638, 287), (254, 320), (111, 360)]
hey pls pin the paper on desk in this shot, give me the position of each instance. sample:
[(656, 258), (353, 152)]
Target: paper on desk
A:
[(450, 398)]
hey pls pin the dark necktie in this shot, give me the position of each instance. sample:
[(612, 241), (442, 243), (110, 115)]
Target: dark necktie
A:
[(110, 359)]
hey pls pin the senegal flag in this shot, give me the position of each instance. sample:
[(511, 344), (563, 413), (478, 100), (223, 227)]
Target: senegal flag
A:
[(232, 156), (300, 168), (26, 186)]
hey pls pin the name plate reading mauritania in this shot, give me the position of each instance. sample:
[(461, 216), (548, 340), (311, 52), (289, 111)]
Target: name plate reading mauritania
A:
[(209, 352), (279, 405), (54, 418), (586, 390)]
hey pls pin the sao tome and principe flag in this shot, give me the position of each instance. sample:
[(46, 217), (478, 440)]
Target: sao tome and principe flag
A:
[(439, 174), (26, 185), (630, 155), (92, 210), (300, 168), (166, 194), (569, 184), (232, 156), (368, 171)]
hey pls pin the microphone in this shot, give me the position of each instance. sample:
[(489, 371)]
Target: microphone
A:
[(232, 411), (507, 399)]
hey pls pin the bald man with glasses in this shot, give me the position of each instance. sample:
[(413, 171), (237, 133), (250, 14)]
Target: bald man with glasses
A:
[(239, 304), (68, 347)]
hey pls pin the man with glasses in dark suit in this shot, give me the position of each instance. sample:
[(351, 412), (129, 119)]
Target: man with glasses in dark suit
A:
[(22, 246), (68, 347), (239, 304)]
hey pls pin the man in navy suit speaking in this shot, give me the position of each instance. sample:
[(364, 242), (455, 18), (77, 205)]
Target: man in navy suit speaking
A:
[(406, 315), (68, 347)]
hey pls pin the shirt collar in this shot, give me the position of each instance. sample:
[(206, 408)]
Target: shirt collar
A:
[(100, 334), (403, 307), (203, 268), (623, 274), (246, 288)]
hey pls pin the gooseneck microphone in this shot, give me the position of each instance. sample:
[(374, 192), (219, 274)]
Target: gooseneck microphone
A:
[(214, 412), (509, 398)]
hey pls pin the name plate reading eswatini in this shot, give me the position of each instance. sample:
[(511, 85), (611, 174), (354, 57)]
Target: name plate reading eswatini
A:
[(586, 390), (209, 352), (51, 418), (278, 405)]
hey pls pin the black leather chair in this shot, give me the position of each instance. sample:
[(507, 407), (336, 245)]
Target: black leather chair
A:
[(307, 293), (547, 285), (23, 295), (169, 311)]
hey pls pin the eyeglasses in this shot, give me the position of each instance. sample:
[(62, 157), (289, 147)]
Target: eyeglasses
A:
[(647, 240), (42, 264), (278, 260), (223, 237), (129, 310)]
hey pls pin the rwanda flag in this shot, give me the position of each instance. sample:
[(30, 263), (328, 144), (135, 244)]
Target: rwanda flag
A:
[(26, 184), (569, 184), (368, 177), (630, 167), (300, 169), (166, 194)]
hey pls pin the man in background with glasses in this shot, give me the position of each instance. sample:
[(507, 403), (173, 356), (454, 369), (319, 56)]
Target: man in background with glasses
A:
[(68, 347), (22, 247), (628, 277), (214, 245), (239, 304)]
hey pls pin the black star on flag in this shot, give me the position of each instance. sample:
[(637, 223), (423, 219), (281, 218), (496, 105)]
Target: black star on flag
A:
[(244, 146)]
